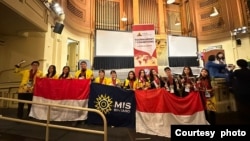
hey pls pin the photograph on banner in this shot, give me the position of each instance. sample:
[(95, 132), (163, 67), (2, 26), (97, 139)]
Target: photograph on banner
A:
[(161, 52)]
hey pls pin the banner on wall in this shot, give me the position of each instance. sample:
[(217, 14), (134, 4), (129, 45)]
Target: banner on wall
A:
[(144, 48)]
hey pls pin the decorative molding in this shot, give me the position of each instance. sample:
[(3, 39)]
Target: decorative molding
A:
[(206, 3), (78, 14), (74, 10)]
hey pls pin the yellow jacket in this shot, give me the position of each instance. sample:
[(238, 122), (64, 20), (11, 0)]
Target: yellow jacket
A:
[(126, 84), (142, 85), (25, 80), (89, 74), (110, 82), (104, 82)]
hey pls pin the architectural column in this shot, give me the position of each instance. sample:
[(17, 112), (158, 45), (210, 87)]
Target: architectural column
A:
[(136, 11), (122, 10), (161, 17)]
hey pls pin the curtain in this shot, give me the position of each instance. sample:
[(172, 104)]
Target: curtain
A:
[(183, 61), (113, 62)]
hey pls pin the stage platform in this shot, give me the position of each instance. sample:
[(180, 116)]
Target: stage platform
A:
[(15, 131)]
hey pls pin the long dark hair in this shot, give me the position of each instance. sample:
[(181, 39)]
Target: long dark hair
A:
[(145, 76), (151, 75), (190, 71), (133, 74), (67, 74), (208, 75), (54, 71), (217, 56)]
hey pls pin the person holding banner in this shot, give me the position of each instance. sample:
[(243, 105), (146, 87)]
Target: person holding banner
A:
[(25, 91), (172, 83), (101, 79), (143, 82), (206, 91), (51, 72), (130, 82), (188, 80), (65, 73), (155, 80), (113, 80), (84, 73)]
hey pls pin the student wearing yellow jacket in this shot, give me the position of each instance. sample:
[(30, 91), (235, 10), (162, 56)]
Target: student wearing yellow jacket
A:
[(51, 72), (143, 82), (130, 82), (101, 79), (65, 73), (84, 73), (25, 91), (113, 80)]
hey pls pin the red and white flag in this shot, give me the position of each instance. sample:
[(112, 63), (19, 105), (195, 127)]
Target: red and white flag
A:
[(71, 92), (157, 110)]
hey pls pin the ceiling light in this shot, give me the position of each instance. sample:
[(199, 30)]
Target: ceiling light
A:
[(214, 12), (170, 1), (177, 21), (124, 17), (244, 27)]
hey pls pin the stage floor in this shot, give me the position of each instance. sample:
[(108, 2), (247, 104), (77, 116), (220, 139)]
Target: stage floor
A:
[(13, 131)]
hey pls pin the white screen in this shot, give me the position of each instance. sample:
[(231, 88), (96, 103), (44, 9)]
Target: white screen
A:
[(114, 43), (179, 46)]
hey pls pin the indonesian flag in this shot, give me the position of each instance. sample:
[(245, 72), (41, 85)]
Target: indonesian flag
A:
[(71, 92), (158, 109)]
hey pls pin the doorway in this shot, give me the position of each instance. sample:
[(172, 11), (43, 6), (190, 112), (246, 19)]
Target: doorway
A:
[(73, 54)]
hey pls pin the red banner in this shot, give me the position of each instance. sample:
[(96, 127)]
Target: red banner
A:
[(144, 48)]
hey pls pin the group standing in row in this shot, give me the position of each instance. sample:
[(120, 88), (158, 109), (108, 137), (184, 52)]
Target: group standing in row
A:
[(177, 84)]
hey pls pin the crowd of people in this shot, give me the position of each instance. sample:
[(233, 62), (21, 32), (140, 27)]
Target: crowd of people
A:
[(178, 84)]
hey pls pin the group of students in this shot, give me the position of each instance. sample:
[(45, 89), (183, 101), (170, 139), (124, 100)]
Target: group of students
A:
[(178, 84)]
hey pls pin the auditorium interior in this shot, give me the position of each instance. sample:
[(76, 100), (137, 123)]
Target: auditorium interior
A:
[(66, 32)]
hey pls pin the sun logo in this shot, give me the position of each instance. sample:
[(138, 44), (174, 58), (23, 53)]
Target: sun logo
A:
[(103, 103)]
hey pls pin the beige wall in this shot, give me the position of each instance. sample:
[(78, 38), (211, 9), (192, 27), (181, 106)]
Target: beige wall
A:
[(85, 49), (17, 48), (49, 46), (243, 51), (56, 47)]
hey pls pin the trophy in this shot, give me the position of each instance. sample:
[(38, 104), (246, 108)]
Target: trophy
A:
[(19, 64)]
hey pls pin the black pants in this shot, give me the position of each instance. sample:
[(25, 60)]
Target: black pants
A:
[(243, 111), (20, 109), (211, 117)]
